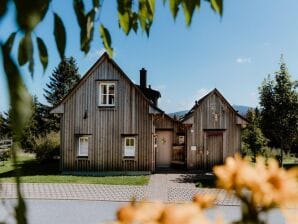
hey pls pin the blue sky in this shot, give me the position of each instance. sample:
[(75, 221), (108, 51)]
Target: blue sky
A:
[(233, 53)]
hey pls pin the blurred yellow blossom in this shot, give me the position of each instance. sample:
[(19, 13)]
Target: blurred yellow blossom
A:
[(265, 185), (204, 201)]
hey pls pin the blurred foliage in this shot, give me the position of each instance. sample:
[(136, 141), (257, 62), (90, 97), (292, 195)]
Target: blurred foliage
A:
[(47, 147)]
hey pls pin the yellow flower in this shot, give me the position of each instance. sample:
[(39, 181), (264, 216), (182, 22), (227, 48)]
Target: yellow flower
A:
[(204, 201), (140, 212)]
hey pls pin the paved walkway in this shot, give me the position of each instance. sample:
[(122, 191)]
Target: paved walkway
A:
[(164, 187)]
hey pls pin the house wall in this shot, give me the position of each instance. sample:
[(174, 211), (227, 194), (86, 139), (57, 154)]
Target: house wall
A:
[(106, 126), (163, 122), (203, 121)]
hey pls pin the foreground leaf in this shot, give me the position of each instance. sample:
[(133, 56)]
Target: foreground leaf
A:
[(30, 13), (106, 39), (9, 42), (43, 53), (3, 7), (174, 7), (125, 14), (25, 51), (188, 8), (217, 6), (60, 35), (19, 96)]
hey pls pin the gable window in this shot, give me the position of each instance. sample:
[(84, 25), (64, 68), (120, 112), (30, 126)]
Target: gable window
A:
[(107, 94), (129, 147), (83, 146)]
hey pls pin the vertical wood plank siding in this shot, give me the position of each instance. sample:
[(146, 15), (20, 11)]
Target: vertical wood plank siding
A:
[(213, 114), (106, 126)]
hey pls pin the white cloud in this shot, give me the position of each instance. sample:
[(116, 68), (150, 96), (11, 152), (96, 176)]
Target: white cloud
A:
[(243, 60)]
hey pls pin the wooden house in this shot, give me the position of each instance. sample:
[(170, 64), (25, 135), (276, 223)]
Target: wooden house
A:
[(110, 124), (213, 131)]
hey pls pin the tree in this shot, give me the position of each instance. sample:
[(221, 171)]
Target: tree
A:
[(252, 135), (279, 109), (63, 78), (4, 129)]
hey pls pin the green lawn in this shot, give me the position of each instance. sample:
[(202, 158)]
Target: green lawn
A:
[(35, 172)]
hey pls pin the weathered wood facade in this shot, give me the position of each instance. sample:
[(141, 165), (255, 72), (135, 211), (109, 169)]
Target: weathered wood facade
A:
[(110, 124), (214, 131), (132, 115)]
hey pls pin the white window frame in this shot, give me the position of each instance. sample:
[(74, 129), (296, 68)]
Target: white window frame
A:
[(79, 146), (107, 104), (130, 147)]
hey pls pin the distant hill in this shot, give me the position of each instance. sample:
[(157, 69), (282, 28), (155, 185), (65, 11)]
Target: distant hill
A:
[(242, 110)]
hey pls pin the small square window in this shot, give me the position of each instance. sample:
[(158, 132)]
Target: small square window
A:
[(129, 147), (83, 146)]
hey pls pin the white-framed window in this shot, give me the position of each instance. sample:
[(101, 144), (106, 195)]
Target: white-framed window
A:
[(129, 147), (83, 146), (107, 94)]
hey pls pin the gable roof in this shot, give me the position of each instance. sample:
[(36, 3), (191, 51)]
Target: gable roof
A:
[(103, 57), (198, 103)]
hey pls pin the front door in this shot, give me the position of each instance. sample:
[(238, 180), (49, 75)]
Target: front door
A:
[(214, 152), (164, 148)]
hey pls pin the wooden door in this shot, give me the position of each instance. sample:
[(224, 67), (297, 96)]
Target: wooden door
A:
[(214, 150), (164, 148)]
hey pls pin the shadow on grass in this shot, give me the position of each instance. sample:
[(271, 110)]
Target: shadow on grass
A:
[(33, 167)]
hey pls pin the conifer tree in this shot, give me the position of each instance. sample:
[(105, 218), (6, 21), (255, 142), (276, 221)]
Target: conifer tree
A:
[(63, 78)]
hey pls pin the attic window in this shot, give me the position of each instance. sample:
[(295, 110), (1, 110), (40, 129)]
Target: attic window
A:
[(107, 94)]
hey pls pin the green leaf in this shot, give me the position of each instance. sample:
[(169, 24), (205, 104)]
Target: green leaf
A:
[(87, 32), (174, 7), (60, 35), (31, 66), (43, 53), (9, 42), (124, 15), (25, 52), (188, 9), (19, 96), (217, 6), (96, 3), (146, 13), (79, 9), (30, 13), (3, 7), (106, 39)]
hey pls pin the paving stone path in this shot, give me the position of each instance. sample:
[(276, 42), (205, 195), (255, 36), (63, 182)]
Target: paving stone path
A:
[(164, 187)]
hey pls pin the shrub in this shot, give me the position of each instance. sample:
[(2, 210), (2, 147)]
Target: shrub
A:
[(48, 147), (4, 154)]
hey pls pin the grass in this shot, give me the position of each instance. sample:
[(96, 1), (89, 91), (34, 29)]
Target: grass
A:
[(34, 172)]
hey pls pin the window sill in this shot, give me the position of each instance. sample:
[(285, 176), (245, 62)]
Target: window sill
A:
[(106, 107), (82, 158), (129, 159)]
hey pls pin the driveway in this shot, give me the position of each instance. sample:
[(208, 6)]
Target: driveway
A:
[(163, 187), (87, 203)]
